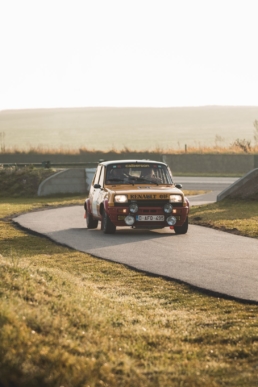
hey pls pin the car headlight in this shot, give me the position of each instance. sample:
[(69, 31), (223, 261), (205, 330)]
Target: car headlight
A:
[(176, 199), (121, 199)]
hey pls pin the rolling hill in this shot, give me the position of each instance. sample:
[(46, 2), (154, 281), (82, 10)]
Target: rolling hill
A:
[(134, 128)]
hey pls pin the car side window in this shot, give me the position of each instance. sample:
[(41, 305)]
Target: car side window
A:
[(169, 178), (96, 178), (101, 177)]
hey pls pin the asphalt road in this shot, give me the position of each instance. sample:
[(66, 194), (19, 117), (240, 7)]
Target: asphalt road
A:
[(217, 184), (208, 259), (214, 185)]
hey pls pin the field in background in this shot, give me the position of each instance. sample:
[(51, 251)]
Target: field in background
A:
[(132, 128)]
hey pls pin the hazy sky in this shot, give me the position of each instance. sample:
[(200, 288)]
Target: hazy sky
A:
[(74, 53)]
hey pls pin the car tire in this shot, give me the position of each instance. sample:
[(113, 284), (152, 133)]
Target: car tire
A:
[(182, 229), (106, 225), (90, 222)]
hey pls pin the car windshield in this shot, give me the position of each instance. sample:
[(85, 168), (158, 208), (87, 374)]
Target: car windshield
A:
[(135, 173)]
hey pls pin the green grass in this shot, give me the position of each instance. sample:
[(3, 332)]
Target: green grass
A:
[(69, 319)]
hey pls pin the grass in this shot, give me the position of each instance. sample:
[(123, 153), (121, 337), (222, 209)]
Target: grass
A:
[(163, 128), (236, 216), (236, 147), (69, 319)]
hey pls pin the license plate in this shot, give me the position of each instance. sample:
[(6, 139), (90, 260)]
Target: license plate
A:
[(150, 218)]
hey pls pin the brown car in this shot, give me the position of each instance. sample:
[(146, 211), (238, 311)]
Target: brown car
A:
[(135, 193)]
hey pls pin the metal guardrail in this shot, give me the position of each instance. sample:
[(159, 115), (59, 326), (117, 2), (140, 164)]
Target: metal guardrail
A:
[(49, 164)]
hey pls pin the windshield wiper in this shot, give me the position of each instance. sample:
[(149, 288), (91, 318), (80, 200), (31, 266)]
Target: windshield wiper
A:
[(115, 179), (149, 181)]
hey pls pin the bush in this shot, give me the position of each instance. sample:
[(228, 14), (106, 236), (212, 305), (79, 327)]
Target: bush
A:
[(18, 182)]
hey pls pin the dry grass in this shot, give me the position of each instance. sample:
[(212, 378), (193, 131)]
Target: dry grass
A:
[(68, 319), (235, 216), (236, 147), (128, 128)]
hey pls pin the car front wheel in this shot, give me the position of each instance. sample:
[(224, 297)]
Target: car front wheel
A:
[(106, 225), (90, 222), (182, 229)]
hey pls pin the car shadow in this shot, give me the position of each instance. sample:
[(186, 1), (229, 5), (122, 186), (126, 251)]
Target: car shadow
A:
[(87, 240)]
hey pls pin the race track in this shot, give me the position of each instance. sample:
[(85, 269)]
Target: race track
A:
[(208, 259)]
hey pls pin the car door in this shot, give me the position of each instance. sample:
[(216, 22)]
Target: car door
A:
[(93, 193), (101, 194), (97, 192)]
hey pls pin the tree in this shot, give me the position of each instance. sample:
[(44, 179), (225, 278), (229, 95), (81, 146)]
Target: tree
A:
[(256, 131), (2, 142)]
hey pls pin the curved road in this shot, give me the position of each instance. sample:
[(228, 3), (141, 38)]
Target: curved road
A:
[(213, 184), (205, 258)]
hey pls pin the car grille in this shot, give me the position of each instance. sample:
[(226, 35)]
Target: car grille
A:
[(150, 203)]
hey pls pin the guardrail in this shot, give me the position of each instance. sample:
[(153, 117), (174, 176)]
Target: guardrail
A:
[(49, 164), (179, 163)]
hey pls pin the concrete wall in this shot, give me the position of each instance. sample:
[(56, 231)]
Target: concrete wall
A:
[(78, 180), (81, 157), (179, 163), (210, 163), (69, 181), (243, 188)]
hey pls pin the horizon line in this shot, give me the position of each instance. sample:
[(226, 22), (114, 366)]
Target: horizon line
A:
[(126, 107)]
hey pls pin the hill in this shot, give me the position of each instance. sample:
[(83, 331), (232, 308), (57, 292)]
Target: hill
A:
[(134, 128)]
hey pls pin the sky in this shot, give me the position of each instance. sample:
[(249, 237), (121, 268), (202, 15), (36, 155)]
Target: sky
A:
[(135, 53)]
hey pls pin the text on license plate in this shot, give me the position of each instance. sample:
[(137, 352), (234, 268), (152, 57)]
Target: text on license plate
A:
[(150, 218)]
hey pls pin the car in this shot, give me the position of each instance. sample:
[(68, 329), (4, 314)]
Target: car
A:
[(135, 193)]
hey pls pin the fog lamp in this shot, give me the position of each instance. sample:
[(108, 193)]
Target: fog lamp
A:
[(129, 220), (133, 208), (168, 208), (171, 220)]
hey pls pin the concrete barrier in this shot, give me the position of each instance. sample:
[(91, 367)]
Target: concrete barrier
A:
[(78, 180), (69, 181), (210, 163), (243, 188), (179, 163)]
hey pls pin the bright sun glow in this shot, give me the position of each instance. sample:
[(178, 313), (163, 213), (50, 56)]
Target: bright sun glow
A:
[(72, 53)]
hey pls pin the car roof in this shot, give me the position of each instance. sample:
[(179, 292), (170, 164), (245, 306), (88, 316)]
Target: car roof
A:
[(140, 161)]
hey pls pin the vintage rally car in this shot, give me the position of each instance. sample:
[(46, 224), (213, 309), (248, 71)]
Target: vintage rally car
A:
[(135, 193)]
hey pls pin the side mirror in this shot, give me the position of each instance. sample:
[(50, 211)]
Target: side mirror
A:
[(97, 186), (179, 186)]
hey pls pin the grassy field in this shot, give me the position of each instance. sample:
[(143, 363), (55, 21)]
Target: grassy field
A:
[(69, 319), (131, 128), (236, 216)]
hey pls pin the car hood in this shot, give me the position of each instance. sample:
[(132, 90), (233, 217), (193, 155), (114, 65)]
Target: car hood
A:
[(144, 189)]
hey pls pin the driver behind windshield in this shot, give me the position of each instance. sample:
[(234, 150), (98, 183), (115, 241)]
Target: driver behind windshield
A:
[(149, 174)]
